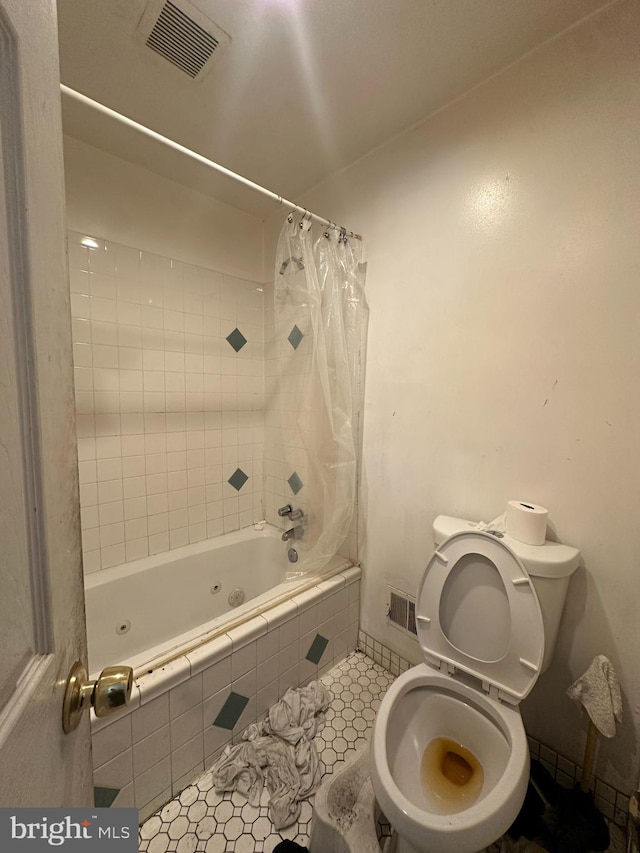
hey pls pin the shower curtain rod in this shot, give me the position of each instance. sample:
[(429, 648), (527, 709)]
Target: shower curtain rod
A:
[(195, 156)]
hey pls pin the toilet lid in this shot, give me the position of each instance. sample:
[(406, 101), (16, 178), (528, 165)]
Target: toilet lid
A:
[(477, 611)]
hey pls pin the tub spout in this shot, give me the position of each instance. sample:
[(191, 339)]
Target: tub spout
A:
[(292, 533)]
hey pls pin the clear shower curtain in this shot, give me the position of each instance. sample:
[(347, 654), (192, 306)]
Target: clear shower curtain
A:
[(321, 320)]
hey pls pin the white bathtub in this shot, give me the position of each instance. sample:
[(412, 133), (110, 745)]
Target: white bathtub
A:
[(190, 653), (144, 611)]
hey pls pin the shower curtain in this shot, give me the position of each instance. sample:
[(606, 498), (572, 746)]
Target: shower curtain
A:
[(321, 319)]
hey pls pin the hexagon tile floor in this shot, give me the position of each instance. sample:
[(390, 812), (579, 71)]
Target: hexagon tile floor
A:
[(202, 821)]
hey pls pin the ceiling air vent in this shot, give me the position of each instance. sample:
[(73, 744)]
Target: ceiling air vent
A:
[(181, 34)]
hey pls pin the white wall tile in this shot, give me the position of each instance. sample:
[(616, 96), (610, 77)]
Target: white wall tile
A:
[(110, 513), (115, 773), (148, 401), (185, 696), (243, 660), (157, 504), (91, 539), (157, 778), (133, 466), (113, 555), (136, 549), (187, 756), (186, 726), (134, 487), (150, 750), (135, 528), (179, 537), (158, 523), (132, 445), (159, 543), (89, 517)]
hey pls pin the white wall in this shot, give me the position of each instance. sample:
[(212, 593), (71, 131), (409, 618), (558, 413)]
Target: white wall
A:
[(504, 354), (115, 200)]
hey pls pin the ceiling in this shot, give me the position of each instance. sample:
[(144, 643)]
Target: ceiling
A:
[(305, 87)]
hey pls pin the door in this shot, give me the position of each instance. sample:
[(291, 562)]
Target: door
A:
[(42, 629)]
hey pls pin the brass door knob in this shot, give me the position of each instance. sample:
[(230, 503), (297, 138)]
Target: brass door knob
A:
[(109, 692)]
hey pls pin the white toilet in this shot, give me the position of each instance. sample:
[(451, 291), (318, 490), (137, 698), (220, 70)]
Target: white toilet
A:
[(449, 754)]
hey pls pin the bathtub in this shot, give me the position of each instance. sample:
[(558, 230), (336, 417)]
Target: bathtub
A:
[(203, 668), (145, 610)]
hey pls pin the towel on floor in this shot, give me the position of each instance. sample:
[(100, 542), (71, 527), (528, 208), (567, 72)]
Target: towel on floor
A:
[(598, 690), (278, 751)]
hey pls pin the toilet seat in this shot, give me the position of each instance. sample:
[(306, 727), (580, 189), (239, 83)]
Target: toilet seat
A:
[(470, 575)]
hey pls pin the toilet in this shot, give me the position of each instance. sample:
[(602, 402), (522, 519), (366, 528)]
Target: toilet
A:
[(449, 753)]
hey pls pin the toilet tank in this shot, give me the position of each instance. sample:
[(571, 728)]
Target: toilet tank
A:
[(549, 566)]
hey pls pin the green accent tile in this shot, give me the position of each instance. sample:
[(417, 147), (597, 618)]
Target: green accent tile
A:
[(103, 797), (295, 483), (295, 336), (236, 339), (316, 649), (238, 479), (231, 711)]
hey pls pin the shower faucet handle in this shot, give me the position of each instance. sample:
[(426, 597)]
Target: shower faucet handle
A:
[(290, 512)]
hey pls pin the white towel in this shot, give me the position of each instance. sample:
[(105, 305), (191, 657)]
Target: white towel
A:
[(599, 691), (280, 752)]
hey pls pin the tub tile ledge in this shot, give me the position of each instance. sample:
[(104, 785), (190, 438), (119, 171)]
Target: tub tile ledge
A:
[(209, 653), (351, 575), (337, 582), (305, 600), (159, 681), (281, 613), (247, 632)]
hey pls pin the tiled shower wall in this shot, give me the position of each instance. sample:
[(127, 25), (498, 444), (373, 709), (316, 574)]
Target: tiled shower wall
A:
[(169, 397)]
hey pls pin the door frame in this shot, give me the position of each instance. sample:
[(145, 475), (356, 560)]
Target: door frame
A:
[(41, 765)]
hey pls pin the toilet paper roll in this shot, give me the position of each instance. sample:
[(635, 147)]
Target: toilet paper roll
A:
[(526, 522)]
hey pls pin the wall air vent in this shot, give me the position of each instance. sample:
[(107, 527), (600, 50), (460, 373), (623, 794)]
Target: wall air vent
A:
[(181, 34), (401, 610)]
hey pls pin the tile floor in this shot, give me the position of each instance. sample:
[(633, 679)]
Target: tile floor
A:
[(200, 820)]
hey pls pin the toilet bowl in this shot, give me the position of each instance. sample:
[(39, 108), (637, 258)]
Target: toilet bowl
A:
[(419, 707), (449, 753)]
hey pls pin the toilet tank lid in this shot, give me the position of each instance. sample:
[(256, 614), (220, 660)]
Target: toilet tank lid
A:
[(551, 560)]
